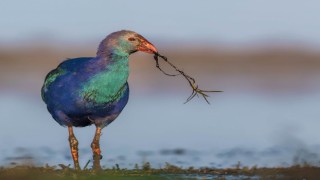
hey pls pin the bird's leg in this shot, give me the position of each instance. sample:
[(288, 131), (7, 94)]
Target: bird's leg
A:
[(74, 148), (96, 149)]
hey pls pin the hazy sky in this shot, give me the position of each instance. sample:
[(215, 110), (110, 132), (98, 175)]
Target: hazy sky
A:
[(208, 20)]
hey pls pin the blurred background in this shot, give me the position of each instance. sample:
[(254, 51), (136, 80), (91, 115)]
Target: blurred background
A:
[(264, 55)]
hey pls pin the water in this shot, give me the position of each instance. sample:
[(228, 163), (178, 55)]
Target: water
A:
[(237, 127)]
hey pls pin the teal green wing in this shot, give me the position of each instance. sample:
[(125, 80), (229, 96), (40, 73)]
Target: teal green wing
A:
[(50, 78)]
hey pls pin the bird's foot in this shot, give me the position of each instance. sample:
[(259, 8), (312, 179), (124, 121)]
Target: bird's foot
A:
[(96, 162), (77, 167), (74, 148), (96, 150)]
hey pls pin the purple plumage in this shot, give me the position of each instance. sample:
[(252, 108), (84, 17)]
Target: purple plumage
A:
[(93, 90)]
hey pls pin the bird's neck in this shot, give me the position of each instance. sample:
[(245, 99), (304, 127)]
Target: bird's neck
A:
[(115, 62), (116, 67), (105, 85), (112, 54)]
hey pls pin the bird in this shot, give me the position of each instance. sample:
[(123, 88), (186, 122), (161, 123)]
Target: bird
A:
[(88, 91)]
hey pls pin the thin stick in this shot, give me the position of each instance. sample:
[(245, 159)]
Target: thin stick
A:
[(85, 167), (158, 66), (195, 88)]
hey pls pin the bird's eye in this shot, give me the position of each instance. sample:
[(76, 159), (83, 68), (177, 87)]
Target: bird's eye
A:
[(131, 39)]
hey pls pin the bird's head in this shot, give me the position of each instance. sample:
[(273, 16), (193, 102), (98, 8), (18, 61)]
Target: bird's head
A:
[(125, 42)]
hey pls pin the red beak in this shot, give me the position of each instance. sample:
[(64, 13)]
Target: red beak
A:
[(146, 46)]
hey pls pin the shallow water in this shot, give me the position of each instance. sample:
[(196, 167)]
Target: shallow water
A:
[(236, 128)]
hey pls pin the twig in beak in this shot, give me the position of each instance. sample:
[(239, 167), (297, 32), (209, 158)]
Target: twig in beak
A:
[(195, 88), (158, 66)]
